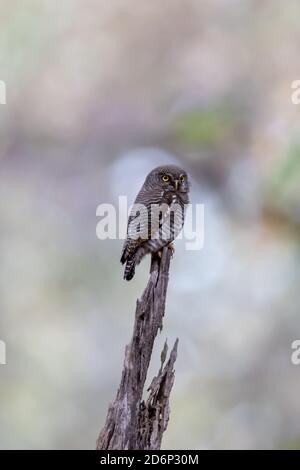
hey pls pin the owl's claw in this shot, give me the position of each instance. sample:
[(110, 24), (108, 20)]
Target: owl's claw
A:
[(172, 248)]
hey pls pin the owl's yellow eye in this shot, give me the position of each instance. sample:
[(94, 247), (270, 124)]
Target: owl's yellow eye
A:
[(165, 178), (182, 178)]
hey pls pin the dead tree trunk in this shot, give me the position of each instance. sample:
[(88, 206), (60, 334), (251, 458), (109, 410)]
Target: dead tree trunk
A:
[(132, 423)]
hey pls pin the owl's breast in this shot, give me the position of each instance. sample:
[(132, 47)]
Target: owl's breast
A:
[(172, 197)]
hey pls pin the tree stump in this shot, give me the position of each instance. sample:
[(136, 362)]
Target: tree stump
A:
[(131, 422)]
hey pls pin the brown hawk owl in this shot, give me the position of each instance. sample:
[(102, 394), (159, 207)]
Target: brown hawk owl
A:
[(157, 215)]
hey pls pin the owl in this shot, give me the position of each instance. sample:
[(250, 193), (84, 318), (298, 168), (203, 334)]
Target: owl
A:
[(157, 216)]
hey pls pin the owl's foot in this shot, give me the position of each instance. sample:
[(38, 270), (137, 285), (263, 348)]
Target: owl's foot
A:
[(171, 247)]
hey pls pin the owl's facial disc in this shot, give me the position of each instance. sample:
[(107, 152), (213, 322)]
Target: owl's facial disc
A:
[(180, 184), (175, 181), (183, 184)]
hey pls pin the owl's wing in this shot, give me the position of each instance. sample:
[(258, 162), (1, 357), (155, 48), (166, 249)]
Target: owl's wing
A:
[(137, 221)]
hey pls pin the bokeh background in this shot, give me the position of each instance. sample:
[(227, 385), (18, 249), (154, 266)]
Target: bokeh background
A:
[(98, 93)]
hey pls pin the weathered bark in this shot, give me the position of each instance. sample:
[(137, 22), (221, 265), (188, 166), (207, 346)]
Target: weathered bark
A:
[(132, 423)]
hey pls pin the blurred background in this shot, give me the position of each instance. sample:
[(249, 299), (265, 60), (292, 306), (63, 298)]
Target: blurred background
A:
[(98, 93)]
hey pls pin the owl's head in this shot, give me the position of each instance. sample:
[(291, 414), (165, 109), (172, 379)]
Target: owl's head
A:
[(169, 178)]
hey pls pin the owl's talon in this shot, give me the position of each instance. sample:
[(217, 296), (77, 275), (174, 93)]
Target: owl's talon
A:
[(172, 248)]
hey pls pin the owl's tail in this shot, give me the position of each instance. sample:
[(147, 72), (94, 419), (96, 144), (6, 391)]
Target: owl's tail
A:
[(135, 259), (129, 268)]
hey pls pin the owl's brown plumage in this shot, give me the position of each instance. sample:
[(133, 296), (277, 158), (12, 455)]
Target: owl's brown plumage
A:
[(164, 192)]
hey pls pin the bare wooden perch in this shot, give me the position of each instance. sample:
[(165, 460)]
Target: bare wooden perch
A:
[(132, 423)]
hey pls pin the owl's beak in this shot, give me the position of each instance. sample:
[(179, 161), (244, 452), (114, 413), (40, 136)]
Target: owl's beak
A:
[(176, 184)]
